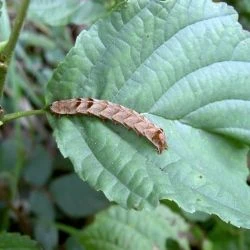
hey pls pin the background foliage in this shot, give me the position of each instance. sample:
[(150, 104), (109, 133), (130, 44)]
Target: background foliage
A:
[(48, 201)]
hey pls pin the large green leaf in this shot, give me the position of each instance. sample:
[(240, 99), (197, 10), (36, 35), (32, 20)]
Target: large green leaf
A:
[(118, 228), (185, 65), (13, 241)]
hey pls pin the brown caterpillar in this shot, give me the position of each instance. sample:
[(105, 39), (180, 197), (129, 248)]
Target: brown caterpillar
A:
[(114, 112)]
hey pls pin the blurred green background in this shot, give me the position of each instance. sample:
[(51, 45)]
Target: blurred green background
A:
[(39, 193)]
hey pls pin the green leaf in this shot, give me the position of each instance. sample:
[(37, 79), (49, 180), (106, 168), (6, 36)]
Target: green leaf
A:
[(57, 12), (185, 65), (73, 244), (41, 205), (46, 234), (1, 5), (11, 241), (7, 148), (4, 23), (118, 228), (39, 167), (244, 5), (37, 40), (224, 236), (75, 197)]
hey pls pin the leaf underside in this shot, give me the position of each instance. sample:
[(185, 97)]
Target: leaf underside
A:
[(185, 65)]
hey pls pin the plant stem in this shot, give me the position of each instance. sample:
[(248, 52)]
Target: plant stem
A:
[(6, 53), (67, 229), (17, 115), (11, 44)]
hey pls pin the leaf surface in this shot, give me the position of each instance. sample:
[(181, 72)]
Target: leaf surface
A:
[(47, 234), (185, 65), (39, 167), (57, 12), (14, 241), (118, 228), (41, 205)]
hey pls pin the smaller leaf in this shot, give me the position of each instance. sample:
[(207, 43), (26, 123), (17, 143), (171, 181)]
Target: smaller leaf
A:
[(39, 167), (4, 22), (28, 38), (14, 241), (75, 197), (225, 236), (41, 205), (7, 148), (1, 4), (118, 228), (57, 12), (73, 244), (172, 245), (46, 234)]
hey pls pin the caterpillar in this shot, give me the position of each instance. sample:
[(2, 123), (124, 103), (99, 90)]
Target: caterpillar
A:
[(114, 112)]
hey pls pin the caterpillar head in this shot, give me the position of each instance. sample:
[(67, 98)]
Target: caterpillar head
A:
[(159, 140)]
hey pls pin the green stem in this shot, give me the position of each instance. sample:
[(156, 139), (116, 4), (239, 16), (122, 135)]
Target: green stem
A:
[(6, 53), (11, 44), (17, 115), (68, 229)]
